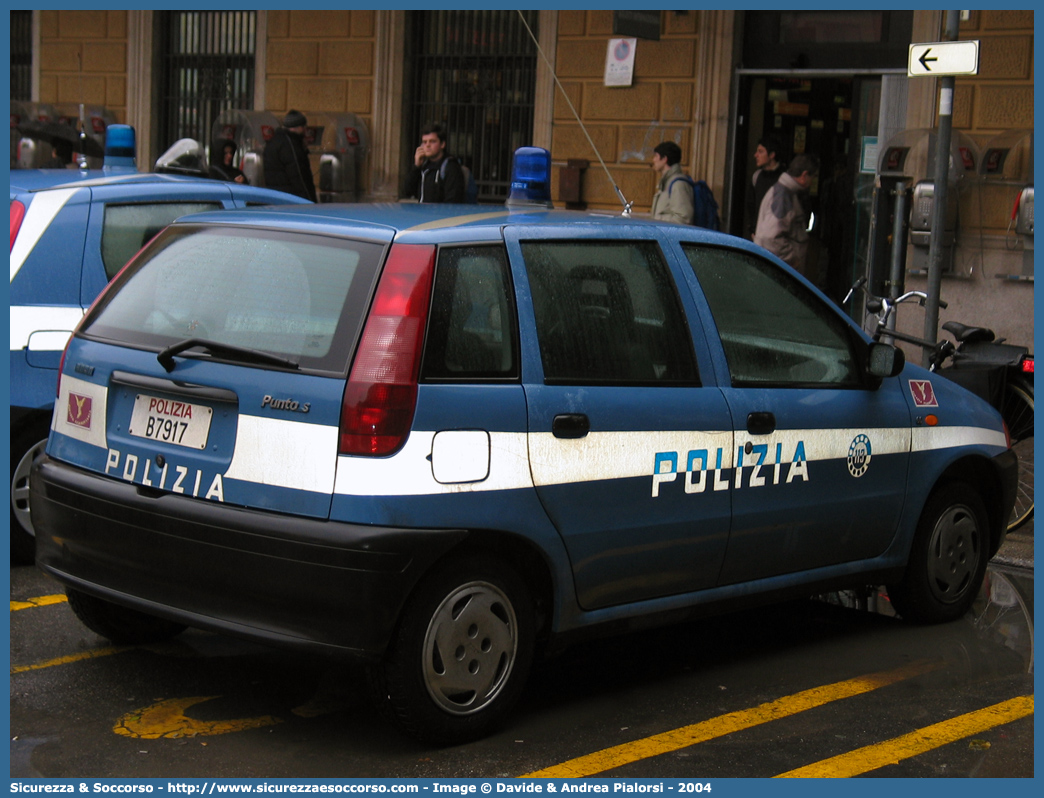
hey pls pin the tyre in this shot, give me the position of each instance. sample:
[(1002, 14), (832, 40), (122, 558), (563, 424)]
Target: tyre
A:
[(948, 558), (25, 447), (120, 624), (461, 654), (1017, 411)]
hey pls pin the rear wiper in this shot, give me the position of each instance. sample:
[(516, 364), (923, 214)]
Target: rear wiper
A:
[(240, 353)]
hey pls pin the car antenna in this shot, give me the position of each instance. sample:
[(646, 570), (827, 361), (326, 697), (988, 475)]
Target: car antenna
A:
[(627, 205), (82, 160)]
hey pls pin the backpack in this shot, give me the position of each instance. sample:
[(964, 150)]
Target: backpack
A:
[(470, 186), (705, 207)]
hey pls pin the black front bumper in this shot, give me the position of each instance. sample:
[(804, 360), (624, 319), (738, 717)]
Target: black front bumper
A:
[(320, 585)]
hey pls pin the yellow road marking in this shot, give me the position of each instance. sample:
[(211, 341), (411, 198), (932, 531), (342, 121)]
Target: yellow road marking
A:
[(39, 601), (675, 740), (872, 757), (167, 719), (93, 654)]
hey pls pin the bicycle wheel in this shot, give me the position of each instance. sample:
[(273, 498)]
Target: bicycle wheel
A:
[(1017, 411)]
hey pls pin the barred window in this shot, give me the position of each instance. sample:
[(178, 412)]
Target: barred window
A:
[(21, 55), (475, 74), (208, 67)]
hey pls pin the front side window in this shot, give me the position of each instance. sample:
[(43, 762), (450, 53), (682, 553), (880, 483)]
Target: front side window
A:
[(607, 312), (775, 332), (300, 297), (472, 330), (127, 228)]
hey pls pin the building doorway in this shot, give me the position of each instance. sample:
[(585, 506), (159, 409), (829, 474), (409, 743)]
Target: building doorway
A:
[(832, 117), (828, 83)]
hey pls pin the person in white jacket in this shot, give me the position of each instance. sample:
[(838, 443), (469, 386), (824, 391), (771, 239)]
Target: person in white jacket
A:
[(782, 220), (673, 200)]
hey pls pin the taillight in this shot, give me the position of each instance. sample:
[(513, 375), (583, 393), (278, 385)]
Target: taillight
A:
[(381, 394), (1027, 365), (83, 319), (17, 214)]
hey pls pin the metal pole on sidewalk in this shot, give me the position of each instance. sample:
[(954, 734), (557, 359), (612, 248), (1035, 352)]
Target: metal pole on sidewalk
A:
[(895, 276), (942, 169)]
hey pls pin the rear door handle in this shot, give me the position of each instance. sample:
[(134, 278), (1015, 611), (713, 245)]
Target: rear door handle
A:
[(570, 425), (761, 423)]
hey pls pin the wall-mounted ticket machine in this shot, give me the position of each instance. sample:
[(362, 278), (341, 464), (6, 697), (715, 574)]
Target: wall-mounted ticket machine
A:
[(1006, 172), (905, 185), (343, 148)]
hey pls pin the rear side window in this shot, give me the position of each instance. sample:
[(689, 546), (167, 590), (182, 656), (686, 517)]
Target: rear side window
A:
[(472, 333), (294, 295), (607, 312), (773, 329), (127, 228)]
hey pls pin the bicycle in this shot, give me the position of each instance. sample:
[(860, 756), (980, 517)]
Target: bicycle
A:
[(998, 372)]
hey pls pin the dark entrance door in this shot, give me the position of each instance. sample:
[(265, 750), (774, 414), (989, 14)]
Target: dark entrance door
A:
[(826, 116), (813, 78)]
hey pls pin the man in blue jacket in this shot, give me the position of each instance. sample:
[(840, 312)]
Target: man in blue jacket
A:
[(674, 200)]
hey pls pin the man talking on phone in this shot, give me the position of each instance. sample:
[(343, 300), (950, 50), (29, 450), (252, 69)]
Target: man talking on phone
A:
[(435, 176)]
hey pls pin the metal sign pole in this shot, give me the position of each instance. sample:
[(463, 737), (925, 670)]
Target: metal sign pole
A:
[(942, 168)]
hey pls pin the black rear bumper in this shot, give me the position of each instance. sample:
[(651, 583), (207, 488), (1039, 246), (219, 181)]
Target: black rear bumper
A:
[(1007, 466), (313, 584)]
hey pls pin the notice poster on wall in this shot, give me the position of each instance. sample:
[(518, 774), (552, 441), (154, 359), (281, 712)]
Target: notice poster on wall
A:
[(619, 62)]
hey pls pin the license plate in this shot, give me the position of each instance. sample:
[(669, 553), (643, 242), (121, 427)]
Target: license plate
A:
[(170, 421)]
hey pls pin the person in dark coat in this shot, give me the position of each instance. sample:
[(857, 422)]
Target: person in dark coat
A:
[(61, 156), (223, 166), (768, 158), (286, 158), (435, 176)]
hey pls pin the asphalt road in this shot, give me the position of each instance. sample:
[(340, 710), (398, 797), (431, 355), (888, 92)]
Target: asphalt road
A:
[(808, 688)]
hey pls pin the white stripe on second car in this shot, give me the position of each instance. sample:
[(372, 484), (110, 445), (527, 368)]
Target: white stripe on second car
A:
[(38, 217)]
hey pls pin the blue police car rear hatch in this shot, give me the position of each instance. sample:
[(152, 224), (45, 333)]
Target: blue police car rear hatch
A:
[(203, 406), (214, 367)]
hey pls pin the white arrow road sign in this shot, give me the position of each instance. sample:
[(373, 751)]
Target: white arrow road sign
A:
[(943, 58)]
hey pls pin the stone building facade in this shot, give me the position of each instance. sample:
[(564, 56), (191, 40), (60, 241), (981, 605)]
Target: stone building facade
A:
[(683, 89)]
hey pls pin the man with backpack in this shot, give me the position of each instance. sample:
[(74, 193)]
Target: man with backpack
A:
[(678, 197), (673, 200), (435, 176)]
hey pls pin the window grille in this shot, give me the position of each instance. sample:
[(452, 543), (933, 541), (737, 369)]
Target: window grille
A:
[(21, 55), (208, 67), (475, 74)]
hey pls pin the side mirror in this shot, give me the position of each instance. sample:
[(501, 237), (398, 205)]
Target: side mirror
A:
[(885, 360)]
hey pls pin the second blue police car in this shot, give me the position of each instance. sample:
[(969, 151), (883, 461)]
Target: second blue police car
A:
[(437, 439), (71, 231)]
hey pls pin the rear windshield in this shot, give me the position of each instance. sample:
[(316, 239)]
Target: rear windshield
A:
[(297, 296)]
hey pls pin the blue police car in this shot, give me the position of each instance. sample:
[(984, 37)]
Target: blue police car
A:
[(71, 232), (437, 439)]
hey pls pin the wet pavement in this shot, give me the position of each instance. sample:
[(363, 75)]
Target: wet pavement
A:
[(1018, 547), (205, 705)]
